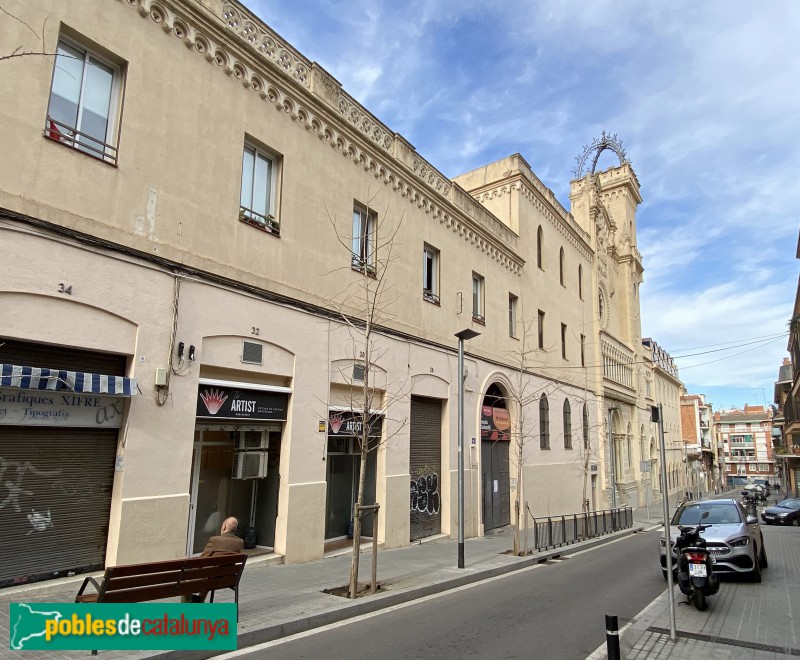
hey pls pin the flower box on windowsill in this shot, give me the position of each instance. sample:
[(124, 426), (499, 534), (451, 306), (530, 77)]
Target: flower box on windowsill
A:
[(359, 266), (265, 223)]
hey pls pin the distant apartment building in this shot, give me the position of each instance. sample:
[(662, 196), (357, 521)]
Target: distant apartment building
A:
[(746, 437), (700, 445)]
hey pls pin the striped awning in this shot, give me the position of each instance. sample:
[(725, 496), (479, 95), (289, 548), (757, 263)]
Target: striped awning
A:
[(38, 378)]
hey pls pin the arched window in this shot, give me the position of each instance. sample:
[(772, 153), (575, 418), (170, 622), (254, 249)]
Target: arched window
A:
[(580, 281), (585, 427), (567, 425), (629, 445), (561, 265), (539, 247), (544, 423)]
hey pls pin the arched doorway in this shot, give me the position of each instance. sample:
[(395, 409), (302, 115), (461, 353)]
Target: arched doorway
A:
[(495, 442)]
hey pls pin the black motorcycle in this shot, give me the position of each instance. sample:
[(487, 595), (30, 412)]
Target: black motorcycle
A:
[(696, 578)]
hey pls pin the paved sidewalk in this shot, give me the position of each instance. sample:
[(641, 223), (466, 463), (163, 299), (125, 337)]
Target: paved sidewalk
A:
[(280, 600)]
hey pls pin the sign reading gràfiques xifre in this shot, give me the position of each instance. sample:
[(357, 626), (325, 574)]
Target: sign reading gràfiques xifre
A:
[(35, 408)]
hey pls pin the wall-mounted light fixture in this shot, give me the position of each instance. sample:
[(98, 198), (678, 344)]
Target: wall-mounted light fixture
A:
[(180, 350), (191, 353)]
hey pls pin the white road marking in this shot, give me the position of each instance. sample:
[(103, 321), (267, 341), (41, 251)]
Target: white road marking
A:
[(332, 626)]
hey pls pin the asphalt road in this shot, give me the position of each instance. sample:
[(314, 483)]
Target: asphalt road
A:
[(553, 610)]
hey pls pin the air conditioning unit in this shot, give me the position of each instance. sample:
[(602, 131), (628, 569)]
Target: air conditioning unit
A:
[(252, 440), (249, 465)]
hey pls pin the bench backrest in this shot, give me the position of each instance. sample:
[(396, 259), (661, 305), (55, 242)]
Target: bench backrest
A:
[(165, 579)]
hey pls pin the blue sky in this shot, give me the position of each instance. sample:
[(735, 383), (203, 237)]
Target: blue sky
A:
[(703, 95)]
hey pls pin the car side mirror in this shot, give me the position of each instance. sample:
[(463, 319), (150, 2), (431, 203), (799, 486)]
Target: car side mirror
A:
[(752, 520)]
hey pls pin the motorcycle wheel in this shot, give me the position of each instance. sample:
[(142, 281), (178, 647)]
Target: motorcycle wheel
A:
[(700, 599)]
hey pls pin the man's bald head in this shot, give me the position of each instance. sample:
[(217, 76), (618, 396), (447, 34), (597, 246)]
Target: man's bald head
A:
[(230, 525)]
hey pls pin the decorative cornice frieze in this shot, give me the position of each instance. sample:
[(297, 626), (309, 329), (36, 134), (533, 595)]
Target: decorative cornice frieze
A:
[(172, 20), (267, 43)]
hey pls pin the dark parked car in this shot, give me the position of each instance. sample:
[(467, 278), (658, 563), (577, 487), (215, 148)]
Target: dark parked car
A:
[(786, 512)]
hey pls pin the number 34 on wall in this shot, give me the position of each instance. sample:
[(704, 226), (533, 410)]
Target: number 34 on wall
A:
[(65, 288)]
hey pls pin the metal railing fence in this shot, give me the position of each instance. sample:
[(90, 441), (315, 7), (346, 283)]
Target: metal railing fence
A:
[(555, 531)]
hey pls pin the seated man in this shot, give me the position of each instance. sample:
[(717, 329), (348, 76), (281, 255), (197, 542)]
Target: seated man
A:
[(226, 543)]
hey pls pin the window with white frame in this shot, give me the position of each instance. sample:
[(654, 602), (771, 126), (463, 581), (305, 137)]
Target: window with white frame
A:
[(512, 315), (85, 98), (365, 223), (430, 274), (477, 298), (259, 186)]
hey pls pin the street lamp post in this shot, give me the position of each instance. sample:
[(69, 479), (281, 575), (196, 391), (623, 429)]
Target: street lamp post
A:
[(462, 336), (657, 415)]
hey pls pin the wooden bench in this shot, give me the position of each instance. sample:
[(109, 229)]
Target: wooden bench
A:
[(136, 583)]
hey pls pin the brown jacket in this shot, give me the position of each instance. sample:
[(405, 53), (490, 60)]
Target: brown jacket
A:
[(224, 544)]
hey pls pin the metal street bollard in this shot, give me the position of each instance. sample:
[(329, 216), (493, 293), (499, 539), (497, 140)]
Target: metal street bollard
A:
[(612, 637)]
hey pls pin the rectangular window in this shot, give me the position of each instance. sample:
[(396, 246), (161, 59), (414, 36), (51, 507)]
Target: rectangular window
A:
[(365, 224), (541, 329), (512, 315), (257, 199), (430, 274), (563, 341), (477, 298), (583, 350), (85, 98)]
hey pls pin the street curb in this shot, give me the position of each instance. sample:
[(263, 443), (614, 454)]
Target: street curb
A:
[(355, 608)]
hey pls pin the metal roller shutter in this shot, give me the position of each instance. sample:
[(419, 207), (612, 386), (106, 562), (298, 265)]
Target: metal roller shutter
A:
[(425, 463), (58, 357), (55, 501)]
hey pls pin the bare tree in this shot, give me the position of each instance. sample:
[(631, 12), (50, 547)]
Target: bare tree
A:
[(364, 306), (18, 51)]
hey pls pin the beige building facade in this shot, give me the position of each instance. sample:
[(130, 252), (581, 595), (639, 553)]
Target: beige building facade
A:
[(199, 211)]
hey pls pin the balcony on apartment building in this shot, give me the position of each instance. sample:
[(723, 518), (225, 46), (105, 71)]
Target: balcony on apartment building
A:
[(744, 459)]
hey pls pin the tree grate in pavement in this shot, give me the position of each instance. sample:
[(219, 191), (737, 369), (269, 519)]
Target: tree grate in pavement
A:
[(756, 646)]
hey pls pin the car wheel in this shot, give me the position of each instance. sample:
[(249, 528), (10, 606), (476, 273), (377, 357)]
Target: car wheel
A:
[(796, 522), (755, 574), (763, 562)]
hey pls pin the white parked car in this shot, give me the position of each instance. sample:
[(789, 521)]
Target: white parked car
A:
[(733, 539)]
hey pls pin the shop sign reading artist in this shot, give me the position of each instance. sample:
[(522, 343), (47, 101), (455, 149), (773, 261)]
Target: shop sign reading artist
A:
[(234, 403), (34, 408)]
